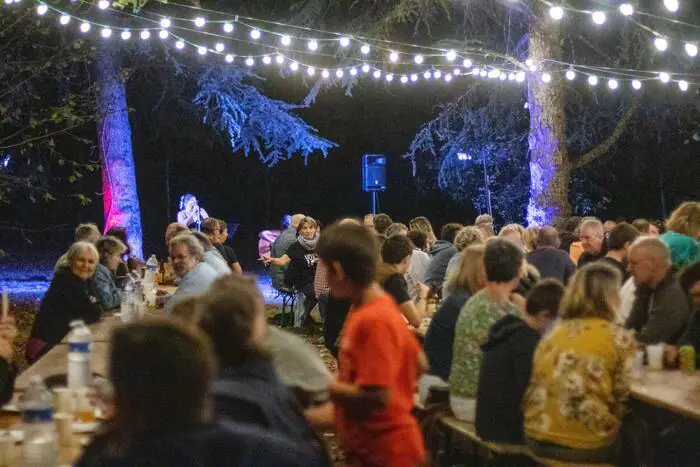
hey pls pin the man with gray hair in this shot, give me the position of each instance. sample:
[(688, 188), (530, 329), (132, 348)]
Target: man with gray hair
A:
[(592, 237), (661, 308), (549, 260), (186, 256), (279, 248)]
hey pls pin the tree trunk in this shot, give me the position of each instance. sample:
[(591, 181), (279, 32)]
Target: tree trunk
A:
[(121, 201), (549, 163)]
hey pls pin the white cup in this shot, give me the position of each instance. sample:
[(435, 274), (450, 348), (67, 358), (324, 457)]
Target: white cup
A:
[(64, 400), (655, 355), (64, 427)]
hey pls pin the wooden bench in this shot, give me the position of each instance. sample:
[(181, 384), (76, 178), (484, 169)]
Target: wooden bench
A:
[(483, 452), (553, 463)]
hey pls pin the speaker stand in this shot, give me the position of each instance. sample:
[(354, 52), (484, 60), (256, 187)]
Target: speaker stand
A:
[(375, 202)]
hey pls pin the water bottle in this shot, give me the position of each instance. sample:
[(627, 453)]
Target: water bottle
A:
[(127, 305), (149, 280), (79, 358), (40, 448), (138, 303)]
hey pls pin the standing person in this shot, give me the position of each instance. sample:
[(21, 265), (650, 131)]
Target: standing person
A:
[(503, 262), (83, 233), (110, 250), (581, 374), (379, 358), (442, 252), (593, 241), (302, 265), (278, 259), (191, 214), (682, 233), (226, 251), (484, 222), (619, 241), (548, 259)]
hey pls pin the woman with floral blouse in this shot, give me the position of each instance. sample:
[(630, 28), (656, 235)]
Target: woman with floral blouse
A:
[(581, 374)]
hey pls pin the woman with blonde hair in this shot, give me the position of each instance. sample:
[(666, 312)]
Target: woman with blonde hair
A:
[(423, 224), (514, 233), (682, 233), (581, 374), (468, 236), (464, 282)]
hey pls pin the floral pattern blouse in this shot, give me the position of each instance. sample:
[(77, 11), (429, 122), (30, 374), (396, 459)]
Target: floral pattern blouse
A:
[(472, 330), (580, 383)]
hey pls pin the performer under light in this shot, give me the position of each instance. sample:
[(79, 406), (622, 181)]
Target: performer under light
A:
[(190, 213)]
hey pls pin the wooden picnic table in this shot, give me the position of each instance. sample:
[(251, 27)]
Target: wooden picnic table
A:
[(675, 391)]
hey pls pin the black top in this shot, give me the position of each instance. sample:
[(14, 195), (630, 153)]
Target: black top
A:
[(552, 263), (566, 239), (505, 374), (586, 257), (440, 337), (617, 265), (302, 268), (396, 286), (441, 254), (227, 253), (67, 299), (692, 336)]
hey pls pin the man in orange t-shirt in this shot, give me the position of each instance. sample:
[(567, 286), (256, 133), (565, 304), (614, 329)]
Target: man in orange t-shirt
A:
[(380, 359)]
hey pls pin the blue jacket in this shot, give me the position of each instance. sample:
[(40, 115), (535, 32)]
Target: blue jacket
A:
[(441, 334), (108, 293)]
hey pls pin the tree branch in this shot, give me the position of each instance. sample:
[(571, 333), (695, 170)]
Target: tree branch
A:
[(611, 140)]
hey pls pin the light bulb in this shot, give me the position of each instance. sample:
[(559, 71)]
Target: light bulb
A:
[(42, 9), (483, 73), (313, 45), (671, 5), (556, 12), (353, 72), (294, 66), (394, 57), (8, 2), (533, 68), (502, 77), (636, 84), (201, 50), (626, 9), (365, 68), (165, 23), (570, 75), (279, 59), (612, 84), (598, 17), (255, 34), (448, 77), (219, 47), (520, 76), (404, 79), (390, 77), (286, 40), (344, 42), (661, 44), (511, 76), (339, 73), (546, 77), (493, 74), (228, 28), (106, 33), (427, 75), (437, 74), (691, 49), (179, 45), (65, 19), (476, 70), (418, 59), (664, 77), (325, 74), (377, 74), (250, 61), (310, 71), (466, 63), (414, 78), (126, 35), (103, 4), (365, 49), (451, 55), (683, 85), (163, 34), (229, 58), (267, 59), (200, 22), (529, 62), (457, 71), (145, 34), (84, 27), (593, 80)]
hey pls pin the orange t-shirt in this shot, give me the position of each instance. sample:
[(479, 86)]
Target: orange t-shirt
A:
[(377, 349)]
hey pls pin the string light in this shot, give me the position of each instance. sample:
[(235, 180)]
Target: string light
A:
[(502, 77), (418, 59), (520, 76), (556, 12), (286, 40), (250, 61), (312, 45), (437, 74), (511, 76), (570, 75), (65, 19), (626, 9), (42, 9), (84, 27), (229, 58), (404, 79), (219, 47), (466, 63), (389, 77), (106, 33), (664, 77), (529, 62), (165, 23), (365, 68), (483, 73), (414, 78), (448, 77), (613, 84), (546, 78), (683, 85), (325, 74), (255, 34), (457, 71), (598, 17), (344, 42), (691, 49), (394, 57), (228, 28), (593, 80), (145, 35), (267, 59), (126, 35), (279, 59), (163, 34), (179, 45), (451, 55), (353, 72), (339, 73), (201, 50), (427, 75), (103, 4), (294, 66), (671, 5), (310, 71), (636, 84), (200, 22), (661, 44), (365, 49)]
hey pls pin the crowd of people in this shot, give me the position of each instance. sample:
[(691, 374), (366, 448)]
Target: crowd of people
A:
[(534, 338)]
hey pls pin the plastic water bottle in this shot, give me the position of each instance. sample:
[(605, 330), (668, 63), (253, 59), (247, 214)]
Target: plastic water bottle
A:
[(79, 358), (40, 448), (149, 280), (127, 305)]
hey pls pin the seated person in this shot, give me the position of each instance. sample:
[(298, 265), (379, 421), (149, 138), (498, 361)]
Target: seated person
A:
[(396, 257), (503, 263), (160, 422), (619, 241), (661, 309), (110, 250), (548, 259), (690, 283), (507, 364), (576, 399), (83, 233), (70, 296), (419, 262), (442, 252), (130, 263), (593, 242), (196, 276), (211, 256), (8, 371), (225, 250), (301, 270), (465, 238), (278, 259), (381, 222), (247, 389)]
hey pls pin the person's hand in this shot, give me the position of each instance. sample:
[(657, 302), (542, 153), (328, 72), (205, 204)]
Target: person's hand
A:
[(423, 290), (266, 260), (670, 354), (8, 331)]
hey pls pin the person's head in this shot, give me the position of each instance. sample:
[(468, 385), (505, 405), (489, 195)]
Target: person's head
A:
[(690, 282), (542, 305), (547, 237), (232, 314), (173, 230), (648, 261), (285, 221), (593, 292), (223, 231), (450, 231), (685, 219), (82, 259), (530, 238), (621, 237), (397, 251), (368, 220), (308, 228), (210, 228), (503, 261), (467, 237), (656, 228), (592, 236), (571, 224), (188, 202), (120, 233), (296, 220), (203, 240), (381, 223), (87, 233), (110, 250), (422, 223), (513, 233), (185, 253), (396, 228), (418, 238), (350, 253), (161, 372), (642, 225), (470, 275), (608, 226), (485, 223), (187, 310)]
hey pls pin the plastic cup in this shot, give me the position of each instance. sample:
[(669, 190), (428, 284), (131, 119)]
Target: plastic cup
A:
[(7, 444), (655, 355), (63, 400), (64, 428)]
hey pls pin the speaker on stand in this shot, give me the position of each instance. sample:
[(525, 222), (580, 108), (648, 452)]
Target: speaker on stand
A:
[(374, 177)]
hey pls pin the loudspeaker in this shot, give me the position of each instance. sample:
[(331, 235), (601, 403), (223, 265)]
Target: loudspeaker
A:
[(373, 172)]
